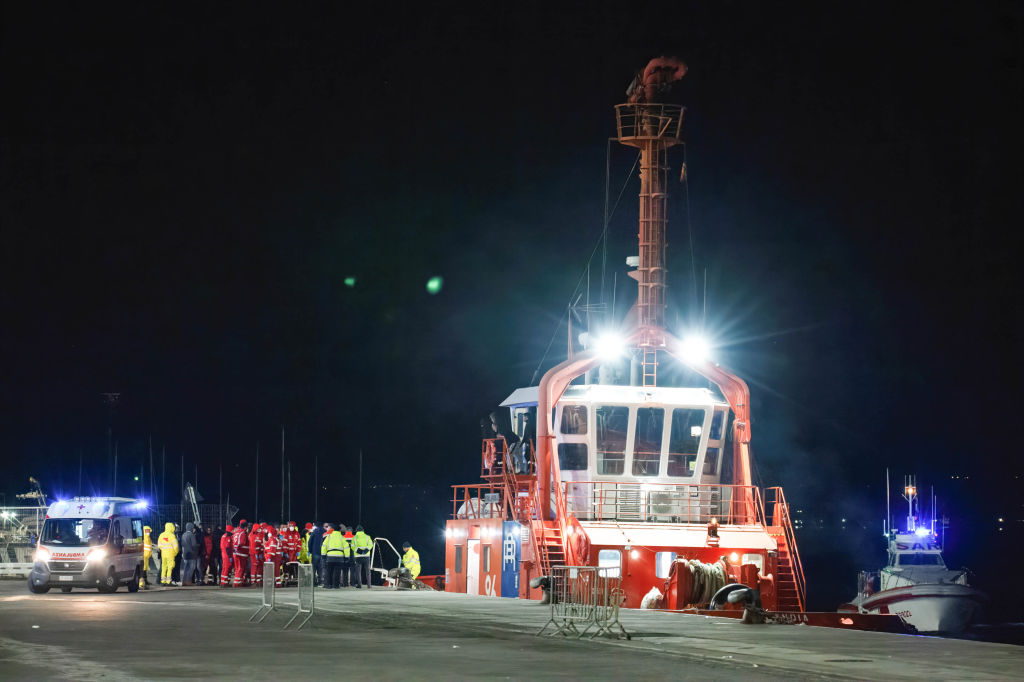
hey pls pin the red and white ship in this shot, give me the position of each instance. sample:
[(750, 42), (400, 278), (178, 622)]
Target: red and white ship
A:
[(653, 481), (916, 585)]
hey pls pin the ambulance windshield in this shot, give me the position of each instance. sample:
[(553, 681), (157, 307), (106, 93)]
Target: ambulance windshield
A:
[(75, 532)]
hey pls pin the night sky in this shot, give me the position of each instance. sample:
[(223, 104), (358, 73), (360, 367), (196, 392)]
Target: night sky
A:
[(185, 190)]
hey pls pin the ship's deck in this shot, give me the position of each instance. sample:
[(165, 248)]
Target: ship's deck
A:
[(203, 632)]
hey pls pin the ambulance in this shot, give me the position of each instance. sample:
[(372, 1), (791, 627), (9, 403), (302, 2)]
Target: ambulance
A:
[(90, 542)]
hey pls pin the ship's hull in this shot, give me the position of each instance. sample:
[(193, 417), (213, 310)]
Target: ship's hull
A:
[(945, 608)]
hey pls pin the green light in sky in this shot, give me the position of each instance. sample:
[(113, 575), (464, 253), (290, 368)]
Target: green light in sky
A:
[(350, 282), (434, 284)]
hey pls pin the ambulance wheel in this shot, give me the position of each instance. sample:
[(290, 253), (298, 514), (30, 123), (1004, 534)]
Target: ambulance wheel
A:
[(109, 584), (65, 590), (37, 589), (133, 584)]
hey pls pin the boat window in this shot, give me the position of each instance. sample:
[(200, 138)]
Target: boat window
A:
[(716, 425), (663, 563), (485, 558), (612, 422), (711, 461), (572, 456), (574, 419), (920, 559), (458, 558), (612, 560), (75, 532), (684, 441), (647, 441)]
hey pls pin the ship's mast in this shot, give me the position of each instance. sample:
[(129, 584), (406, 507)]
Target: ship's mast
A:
[(910, 494), (653, 126)]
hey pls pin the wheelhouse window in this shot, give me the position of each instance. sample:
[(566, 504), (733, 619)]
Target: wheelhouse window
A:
[(684, 441), (711, 461), (612, 424), (716, 425), (647, 441), (920, 559), (574, 419), (572, 456)]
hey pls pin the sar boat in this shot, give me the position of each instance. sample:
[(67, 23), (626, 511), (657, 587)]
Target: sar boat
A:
[(916, 585), (604, 465)]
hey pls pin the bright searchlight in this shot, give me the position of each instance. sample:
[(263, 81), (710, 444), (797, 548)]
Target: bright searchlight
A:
[(695, 350), (610, 346)]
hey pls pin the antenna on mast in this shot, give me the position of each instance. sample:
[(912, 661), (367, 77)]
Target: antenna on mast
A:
[(888, 511)]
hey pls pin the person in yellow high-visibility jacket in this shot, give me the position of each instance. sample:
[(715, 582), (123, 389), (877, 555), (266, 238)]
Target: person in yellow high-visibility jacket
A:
[(411, 560), (147, 555), (168, 545)]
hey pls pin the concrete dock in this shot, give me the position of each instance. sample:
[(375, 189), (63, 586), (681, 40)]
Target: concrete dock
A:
[(170, 633)]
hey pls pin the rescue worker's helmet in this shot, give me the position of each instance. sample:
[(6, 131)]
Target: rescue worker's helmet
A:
[(406, 545), (228, 528), (147, 529), (242, 523), (309, 526), (359, 529)]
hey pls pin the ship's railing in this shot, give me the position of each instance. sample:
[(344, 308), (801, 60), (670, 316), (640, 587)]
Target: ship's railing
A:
[(775, 500), (867, 582), (649, 121), (496, 457), (662, 502), (478, 501)]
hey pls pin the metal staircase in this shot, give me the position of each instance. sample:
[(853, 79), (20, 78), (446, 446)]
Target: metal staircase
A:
[(791, 587), (520, 504)]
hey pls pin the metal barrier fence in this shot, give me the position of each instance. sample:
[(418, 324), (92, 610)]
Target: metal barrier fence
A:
[(267, 593), (586, 597), (305, 605), (15, 570)]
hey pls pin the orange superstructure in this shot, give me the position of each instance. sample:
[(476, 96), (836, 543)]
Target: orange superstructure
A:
[(653, 482)]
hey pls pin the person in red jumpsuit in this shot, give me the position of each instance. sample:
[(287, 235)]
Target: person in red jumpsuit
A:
[(240, 544), (225, 555), (256, 554), (272, 547)]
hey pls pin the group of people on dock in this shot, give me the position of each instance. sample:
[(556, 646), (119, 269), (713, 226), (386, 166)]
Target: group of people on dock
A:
[(235, 556)]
